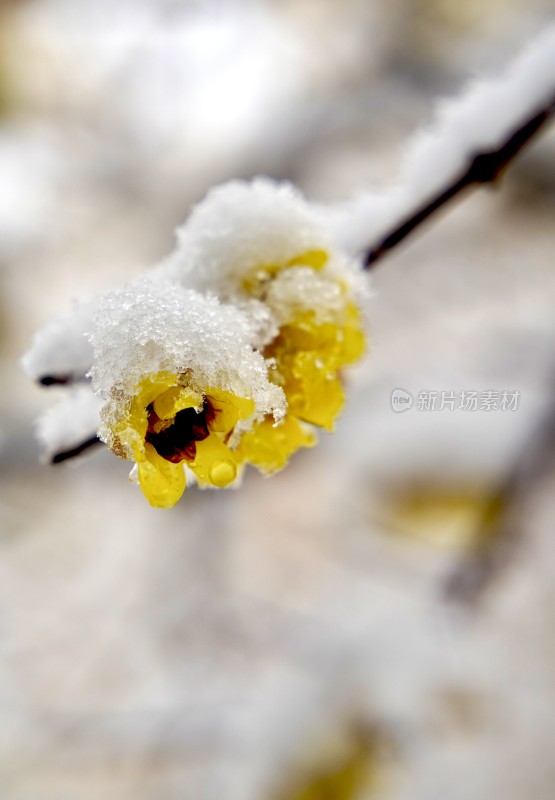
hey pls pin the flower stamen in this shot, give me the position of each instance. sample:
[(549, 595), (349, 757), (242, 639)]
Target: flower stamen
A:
[(177, 440)]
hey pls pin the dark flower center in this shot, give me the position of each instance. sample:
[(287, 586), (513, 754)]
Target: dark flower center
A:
[(177, 442)]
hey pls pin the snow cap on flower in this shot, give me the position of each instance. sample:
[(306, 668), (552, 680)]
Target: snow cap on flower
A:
[(182, 382), (244, 235), (153, 327)]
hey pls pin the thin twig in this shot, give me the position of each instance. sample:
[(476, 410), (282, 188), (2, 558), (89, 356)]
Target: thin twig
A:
[(65, 455), (54, 380), (484, 168), (62, 379)]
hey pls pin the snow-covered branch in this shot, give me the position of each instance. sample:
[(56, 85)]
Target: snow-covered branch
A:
[(485, 167), (471, 139)]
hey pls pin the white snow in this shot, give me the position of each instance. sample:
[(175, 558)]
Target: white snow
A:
[(60, 348), (242, 228), (68, 423)]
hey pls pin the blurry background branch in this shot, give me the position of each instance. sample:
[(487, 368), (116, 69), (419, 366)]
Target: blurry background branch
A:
[(506, 519)]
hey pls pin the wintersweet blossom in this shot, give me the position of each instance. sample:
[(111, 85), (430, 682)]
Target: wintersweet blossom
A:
[(229, 353), (167, 425), (181, 382), (273, 251)]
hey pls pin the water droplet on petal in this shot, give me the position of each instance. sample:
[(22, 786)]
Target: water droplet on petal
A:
[(222, 473)]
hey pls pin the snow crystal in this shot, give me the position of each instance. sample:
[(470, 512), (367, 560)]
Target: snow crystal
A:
[(262, 321)]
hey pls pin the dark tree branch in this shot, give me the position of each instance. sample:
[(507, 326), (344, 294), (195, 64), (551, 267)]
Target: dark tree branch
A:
[(54, 380), (62, 379), (483, 168), (65, 455)]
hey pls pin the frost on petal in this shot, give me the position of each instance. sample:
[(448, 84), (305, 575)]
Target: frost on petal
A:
[(299, 289), (69, 428), (61, 352), (154, 329)]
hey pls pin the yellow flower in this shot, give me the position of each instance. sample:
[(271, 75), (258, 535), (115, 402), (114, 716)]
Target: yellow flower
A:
[(169, 420), (309, 356), (309, 352), (167, 424), (268, 446)]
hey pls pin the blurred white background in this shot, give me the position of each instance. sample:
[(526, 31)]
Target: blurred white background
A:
[(291, 640)]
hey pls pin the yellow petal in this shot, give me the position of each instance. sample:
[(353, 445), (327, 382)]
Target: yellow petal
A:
[(263, 273), (309, 357), (152, 386), (228, 408), (354, 339), (134, 423), (214, 462), (176, 399), (269, 446), (311, 258), (162, 482), (255, 280), (313, 394)]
